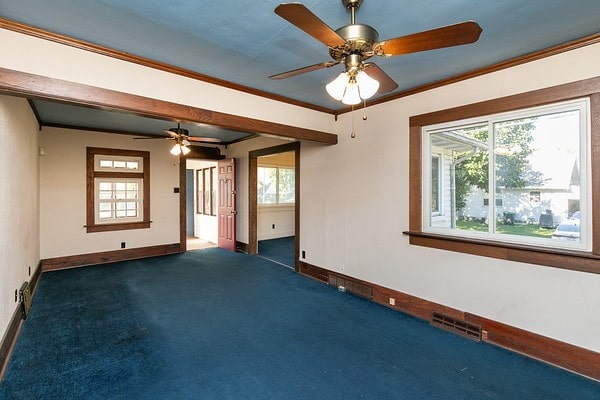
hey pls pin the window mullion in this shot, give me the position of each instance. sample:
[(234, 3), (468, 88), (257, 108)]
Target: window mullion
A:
[(491, 179)]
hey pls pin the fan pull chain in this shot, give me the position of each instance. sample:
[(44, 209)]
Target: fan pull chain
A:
[(352, 135), (364, 108)]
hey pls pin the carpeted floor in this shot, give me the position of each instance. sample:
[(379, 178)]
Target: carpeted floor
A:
[(280, 250), (211, 324)]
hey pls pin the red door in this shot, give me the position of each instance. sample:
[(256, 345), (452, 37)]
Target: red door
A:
[(226, 212)]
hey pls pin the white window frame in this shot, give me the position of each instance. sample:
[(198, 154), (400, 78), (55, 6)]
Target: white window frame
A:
[(139, 200), (583, 106)]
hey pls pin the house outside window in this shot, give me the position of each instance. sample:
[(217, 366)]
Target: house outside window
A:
[(528, 163), (117, 189)]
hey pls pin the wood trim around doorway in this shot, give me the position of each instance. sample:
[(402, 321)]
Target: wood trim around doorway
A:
[(252, 196)]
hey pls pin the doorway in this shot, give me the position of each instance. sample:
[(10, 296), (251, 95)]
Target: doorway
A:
[(201, 204), (273, 210)]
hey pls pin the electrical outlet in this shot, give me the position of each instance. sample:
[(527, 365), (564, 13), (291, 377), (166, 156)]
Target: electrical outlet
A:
[(122, 245), (16, 296), (273, 226), (303, 254), (392, 301), (30, 270), (484, 335)]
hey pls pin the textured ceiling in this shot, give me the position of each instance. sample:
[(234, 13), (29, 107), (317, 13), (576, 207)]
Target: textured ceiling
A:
[(244, 42)]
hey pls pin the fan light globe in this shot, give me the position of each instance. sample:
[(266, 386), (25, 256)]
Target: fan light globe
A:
[(337, 87), (367, 85), (176, 149), (184, 150), (351, 95)]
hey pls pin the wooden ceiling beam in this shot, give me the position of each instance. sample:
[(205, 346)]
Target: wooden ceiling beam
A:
[(27, 85)]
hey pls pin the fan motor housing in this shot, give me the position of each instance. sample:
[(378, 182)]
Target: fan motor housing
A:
[(359, 38)]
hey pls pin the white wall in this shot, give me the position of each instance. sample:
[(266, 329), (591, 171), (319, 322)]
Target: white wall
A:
[(19, 201), (63, 194), (240, 151), (352, 217)]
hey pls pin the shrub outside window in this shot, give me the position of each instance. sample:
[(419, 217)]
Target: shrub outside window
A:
[(513, 177)]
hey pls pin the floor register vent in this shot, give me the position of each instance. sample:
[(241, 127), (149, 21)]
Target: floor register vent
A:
[(25, 299), (457, 326)]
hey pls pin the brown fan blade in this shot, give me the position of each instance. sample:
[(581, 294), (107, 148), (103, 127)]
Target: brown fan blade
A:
[(386, 84), (451, 35), (175, 132), (152, 138), (300, 16), (203, 139), (302, 70)]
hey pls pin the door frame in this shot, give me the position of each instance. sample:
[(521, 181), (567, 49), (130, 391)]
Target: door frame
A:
[(253, 196), (196, 154)]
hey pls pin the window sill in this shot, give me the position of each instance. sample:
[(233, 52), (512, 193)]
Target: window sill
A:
[(117, 226), (565, 259)]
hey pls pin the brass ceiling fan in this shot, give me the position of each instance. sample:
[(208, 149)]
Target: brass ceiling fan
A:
[(182, 139), (354, 44)]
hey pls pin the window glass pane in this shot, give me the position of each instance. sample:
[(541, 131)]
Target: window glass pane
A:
[(540, 153), (105, 214), (119, 164), (207, 190), (106, 164), (200, 189), (133, 165), (105, 186), (286, 185), (267, 185), (462, 151), (104, 206)]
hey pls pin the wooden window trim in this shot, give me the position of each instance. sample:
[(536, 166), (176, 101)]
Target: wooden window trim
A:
[(91, 225), (571, 260)]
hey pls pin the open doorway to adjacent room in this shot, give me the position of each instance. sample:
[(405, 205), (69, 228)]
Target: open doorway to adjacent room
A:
[(201, 204), (274, 232)]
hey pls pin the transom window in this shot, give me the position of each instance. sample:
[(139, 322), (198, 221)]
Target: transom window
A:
[(118, 189), (514, 177)]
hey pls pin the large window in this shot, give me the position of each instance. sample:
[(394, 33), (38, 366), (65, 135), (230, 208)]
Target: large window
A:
[(117, 189), (276, 185), (509, 159), (519, 177)]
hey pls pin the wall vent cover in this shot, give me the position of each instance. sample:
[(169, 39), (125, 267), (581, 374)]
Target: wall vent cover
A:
[(352, 286), (457, 326)]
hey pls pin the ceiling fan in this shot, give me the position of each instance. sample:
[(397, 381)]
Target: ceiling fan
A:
[(182, 139), (354, 44)]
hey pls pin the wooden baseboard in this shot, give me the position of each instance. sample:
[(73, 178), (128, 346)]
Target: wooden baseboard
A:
[(241, 247), (80, 260), (12, 330), (563, 355)]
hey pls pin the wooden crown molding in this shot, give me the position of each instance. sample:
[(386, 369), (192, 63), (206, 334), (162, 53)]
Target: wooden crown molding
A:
[(146, 62), (87, 46)]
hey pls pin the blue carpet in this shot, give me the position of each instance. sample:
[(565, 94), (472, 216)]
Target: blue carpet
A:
[(280, 250), (218, 325)]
